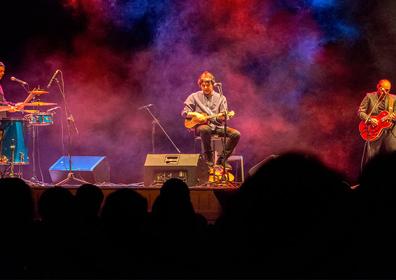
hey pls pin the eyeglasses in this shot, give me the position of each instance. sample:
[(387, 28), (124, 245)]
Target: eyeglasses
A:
[(206, 83)]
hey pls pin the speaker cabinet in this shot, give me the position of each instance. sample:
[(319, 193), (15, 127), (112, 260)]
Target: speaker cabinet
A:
[(191, 168), (93, 169)]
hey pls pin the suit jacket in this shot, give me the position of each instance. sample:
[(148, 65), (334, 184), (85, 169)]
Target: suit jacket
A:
[(2, 99), (368, 103)]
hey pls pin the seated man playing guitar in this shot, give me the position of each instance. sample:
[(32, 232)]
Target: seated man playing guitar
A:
[(377, 126), (205, 110)]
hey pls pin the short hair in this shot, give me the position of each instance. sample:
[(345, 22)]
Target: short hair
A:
[(206, 76), (385, 84), (2, 64)]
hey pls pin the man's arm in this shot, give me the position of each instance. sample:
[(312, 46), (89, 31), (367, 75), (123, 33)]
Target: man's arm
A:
[(363, 108), (189, 106)]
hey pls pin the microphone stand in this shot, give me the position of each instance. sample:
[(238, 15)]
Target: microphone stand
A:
[(156, 121), (224, 175), (70, 122), (366, 149)]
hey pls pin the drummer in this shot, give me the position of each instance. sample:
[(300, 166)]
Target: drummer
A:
[(2, 98)]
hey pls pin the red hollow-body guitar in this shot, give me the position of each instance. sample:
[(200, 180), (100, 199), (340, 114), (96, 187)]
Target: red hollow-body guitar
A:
[(371, 133)]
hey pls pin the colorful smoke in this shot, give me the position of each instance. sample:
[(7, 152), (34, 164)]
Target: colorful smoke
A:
[(283, 66)]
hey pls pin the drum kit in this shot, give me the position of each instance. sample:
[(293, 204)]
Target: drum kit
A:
[(13, 149)]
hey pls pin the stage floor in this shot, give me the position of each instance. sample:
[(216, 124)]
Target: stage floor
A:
[(207, 200)]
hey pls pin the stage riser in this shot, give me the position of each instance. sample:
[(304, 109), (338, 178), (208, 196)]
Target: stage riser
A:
[(207, 202)]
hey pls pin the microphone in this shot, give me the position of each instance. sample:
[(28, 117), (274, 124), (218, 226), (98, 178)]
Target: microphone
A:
[(145, 106), (384, 91), (53, 78), (18, 81), (217, 84)]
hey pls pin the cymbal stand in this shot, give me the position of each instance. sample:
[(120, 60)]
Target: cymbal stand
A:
[(12, 149), (70, 123)]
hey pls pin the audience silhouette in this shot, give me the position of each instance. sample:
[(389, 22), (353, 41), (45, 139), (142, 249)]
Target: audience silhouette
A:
[(124, 219), (16, 217), (176, 230), (293, 217)]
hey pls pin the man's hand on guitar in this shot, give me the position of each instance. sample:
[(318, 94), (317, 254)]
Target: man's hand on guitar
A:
[(373, 122)]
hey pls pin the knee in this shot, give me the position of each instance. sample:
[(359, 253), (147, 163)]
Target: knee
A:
[(235, 135), (204, 130)]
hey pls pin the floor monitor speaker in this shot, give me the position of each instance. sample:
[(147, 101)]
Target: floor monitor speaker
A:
[(191, 168), (93, 169)]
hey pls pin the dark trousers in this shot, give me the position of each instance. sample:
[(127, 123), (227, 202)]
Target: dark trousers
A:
[(385, 144), (205, 131)]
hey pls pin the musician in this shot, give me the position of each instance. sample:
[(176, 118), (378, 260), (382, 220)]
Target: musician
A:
[(209, 102), (373, 104), (2, 98)]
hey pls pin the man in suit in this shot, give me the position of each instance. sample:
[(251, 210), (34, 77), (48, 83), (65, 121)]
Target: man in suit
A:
[(373, 104)]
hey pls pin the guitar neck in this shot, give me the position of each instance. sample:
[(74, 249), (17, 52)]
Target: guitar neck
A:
[(213, 116)]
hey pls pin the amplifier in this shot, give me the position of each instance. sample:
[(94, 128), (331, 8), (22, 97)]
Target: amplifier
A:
[(191, 168)]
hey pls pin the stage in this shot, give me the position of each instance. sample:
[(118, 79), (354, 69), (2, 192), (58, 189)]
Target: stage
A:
[(207, 200)]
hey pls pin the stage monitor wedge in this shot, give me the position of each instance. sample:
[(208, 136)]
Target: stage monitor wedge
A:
[(191, 168), (93, 169)]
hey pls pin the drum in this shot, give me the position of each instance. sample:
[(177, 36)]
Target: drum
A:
[(40, 119), (13, 141)]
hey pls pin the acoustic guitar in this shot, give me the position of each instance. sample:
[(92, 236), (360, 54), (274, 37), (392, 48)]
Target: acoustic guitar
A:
[(370, 132), (193, 119)]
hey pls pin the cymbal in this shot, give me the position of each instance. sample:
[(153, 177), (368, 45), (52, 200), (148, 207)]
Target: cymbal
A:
[(39, 103), (30, 111), (38, 91)]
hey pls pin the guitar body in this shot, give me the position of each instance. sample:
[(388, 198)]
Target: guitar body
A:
[(371, 133), (193, 120)]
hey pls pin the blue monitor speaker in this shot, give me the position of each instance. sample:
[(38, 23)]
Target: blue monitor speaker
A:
[(93, 169)]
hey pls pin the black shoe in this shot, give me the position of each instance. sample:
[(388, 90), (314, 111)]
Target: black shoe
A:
[(221, 163)]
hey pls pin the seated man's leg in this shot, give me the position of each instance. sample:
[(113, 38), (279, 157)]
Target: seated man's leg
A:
[(205, 132), (233, 137)]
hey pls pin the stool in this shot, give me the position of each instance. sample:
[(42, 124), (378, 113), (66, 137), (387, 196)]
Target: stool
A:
[(217, 148), (215, 142), (238, 159)]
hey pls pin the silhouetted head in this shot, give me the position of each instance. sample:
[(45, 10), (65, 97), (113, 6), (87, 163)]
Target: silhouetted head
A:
[(16, 202), (290, 190), (57, 206), (174, 200), (124, 208), (89, 198)]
